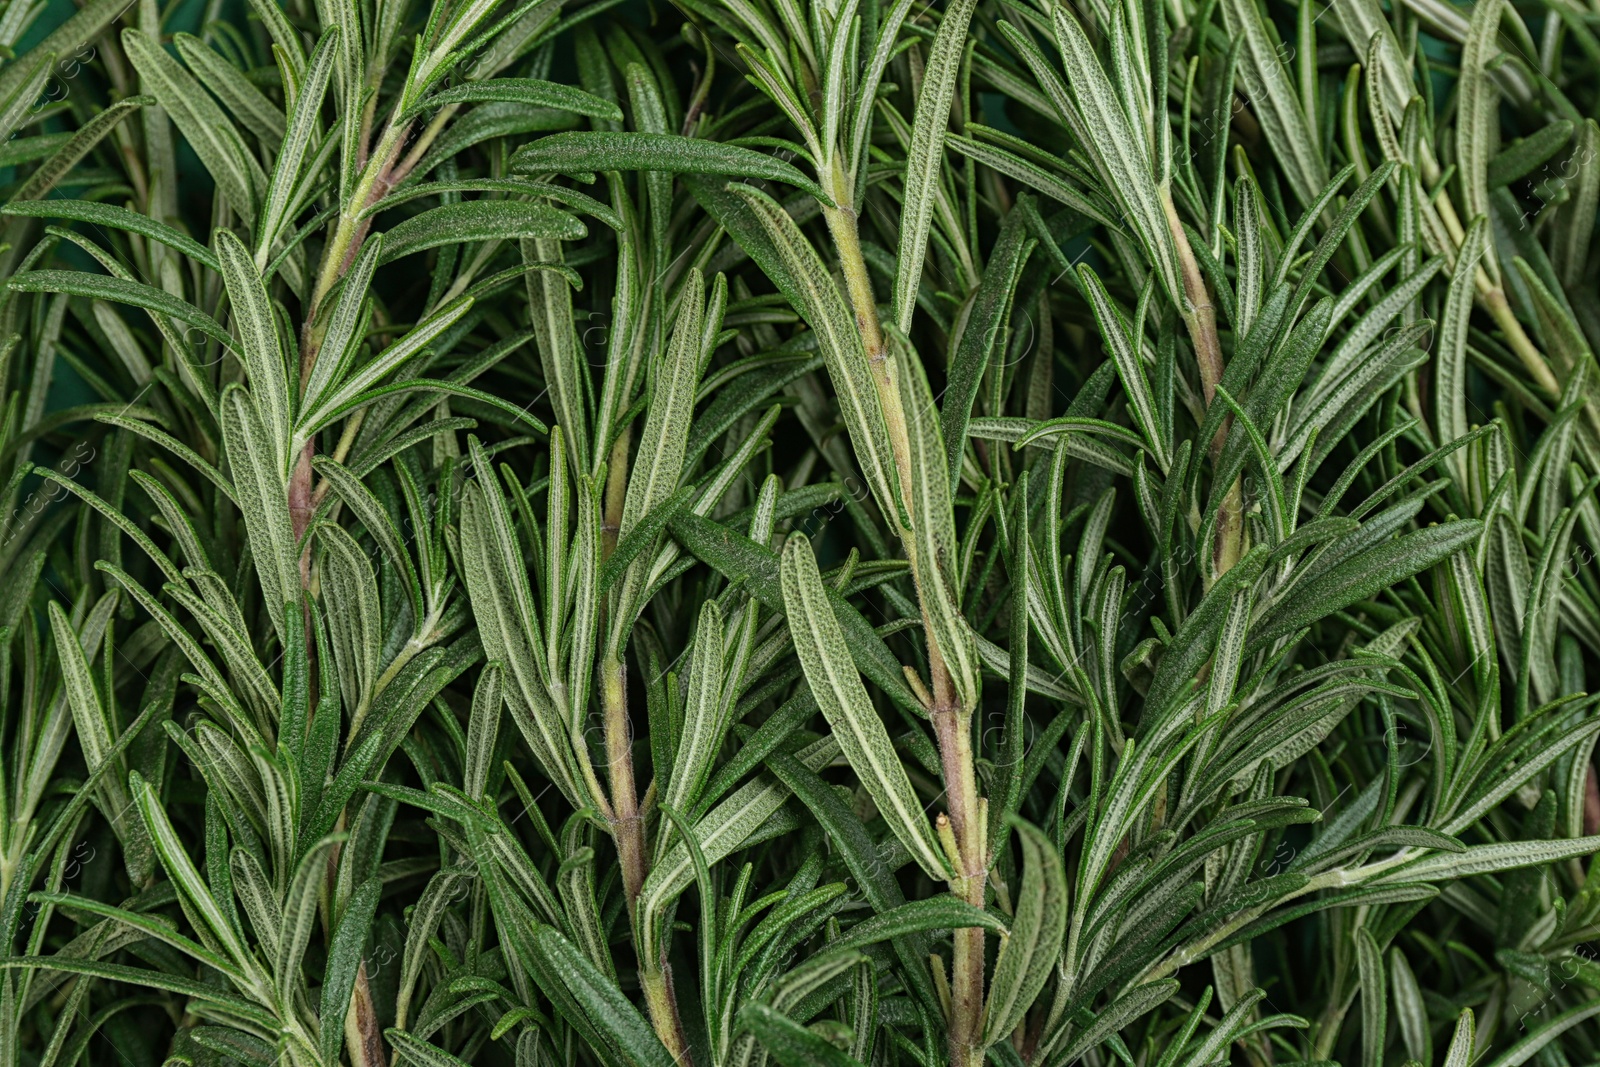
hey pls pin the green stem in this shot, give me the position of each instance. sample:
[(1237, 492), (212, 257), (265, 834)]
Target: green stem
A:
[(346, 239), (952, 722), (1533, 361), (627, 830), (659, 998), (625, 822)]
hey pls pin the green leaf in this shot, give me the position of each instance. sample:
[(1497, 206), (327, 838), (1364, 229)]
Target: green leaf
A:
[(825, 311), (281, 197), (483, 729), (579, 202), (918, 916), (1284, 117), (749, 815), (1119, 151), (344, 961), (1034, 176), (300, 914), (666, 430), (703, 725), (555, 332), (1450, 392), (1410, 1009), (96, 733), (1462, 1042), (903, 924), (928, 494), (1484, 859), (646, 533), (508, 625), (444, 887), (237, 93), (1125, 348), (118, 218), (160, 928), (837, 687), (205, 126), (1530, 1046), (83, 26), (479, 220), (724, 202), (80, 144), (141, 976), (16, 152), (748, 564), (1028, 956), (262, 351), (210, 679), (354, 614), (1363, 575), (1570, 243), (791, 1044), (412, 1048), (1122, 1012), (261, 482), (21, 92), (1374, 998), (1477, 121), (339, 395), (925, 155), (529, 91), (1522, 157), (567, 977), (193, 894), (346, 323), (985, 325), (118, 290), (584, 153)]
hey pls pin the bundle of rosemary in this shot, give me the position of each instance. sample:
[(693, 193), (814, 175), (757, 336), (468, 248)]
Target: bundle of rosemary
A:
[(548, 533)]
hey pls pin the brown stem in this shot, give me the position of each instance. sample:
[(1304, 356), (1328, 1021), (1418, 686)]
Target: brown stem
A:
[(1229, 546), (1200, 318), (627, 823), (1198, 313), (627, 829), (300, 504), (616, 492), (953, 729), (363, 1035), (301, 508)]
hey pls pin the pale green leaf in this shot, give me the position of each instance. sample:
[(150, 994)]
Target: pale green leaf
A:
[(1028, 956), (925, 156), (844, 702)]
